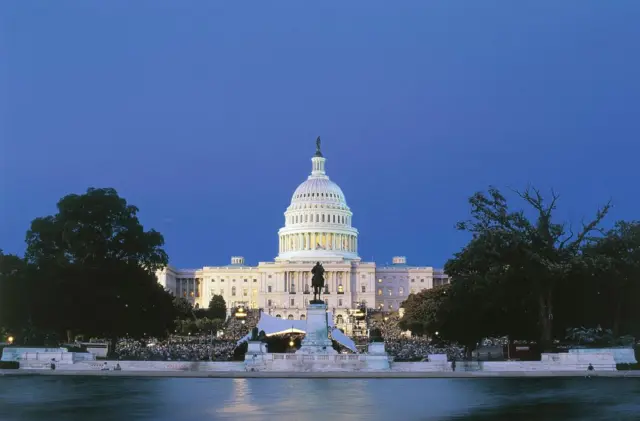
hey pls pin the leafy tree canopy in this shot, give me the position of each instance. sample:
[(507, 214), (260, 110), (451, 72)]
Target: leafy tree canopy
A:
[(217, 307), (93, 270)]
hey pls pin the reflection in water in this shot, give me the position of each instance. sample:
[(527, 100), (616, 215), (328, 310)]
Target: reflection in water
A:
[(109, 398)]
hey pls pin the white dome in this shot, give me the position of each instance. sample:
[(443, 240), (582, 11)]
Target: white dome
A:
[(318, 220), (318, 189)]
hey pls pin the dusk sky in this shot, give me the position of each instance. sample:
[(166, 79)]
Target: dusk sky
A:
[(204, 114)]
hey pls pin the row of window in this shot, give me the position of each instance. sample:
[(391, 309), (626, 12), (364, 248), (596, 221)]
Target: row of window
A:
[(233, 280), (321, 195), (292, 302), (436, 281), (245, 292), (319, 217), (390, 291)]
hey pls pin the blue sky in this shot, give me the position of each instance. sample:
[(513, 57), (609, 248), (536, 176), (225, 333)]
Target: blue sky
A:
[(204, 113)]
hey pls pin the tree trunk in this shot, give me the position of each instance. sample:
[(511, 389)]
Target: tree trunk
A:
[(112, 347), (545, 318), (616, 317)]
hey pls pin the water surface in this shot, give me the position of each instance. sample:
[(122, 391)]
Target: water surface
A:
[(179, 399)]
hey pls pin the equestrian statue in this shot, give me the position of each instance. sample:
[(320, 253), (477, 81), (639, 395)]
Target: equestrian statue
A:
[(317, 282)]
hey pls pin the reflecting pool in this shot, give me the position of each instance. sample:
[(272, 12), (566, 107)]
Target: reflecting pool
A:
[(164, 399)]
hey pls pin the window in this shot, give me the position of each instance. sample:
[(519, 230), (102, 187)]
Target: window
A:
[(340, 302), (323, 217), (379, 291), (255, 280), (303, 317), (269, 276), (340, 289), (339, 319), (233, 291), (413, 280), (401, 291), (421, 280), (364, 288), (246, 280), (221, 280), (364, 276), (268, 303), (290, 317), (245, 292), (233, 280), (222, 292), (292, 302), (255, 291), (269, 288), (389, 291), (278, 316)]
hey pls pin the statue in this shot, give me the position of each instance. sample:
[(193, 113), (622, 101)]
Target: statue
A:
[(318, 152), (317, 282)]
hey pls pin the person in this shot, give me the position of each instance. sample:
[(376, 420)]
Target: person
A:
[(590, 368), (105, 367), (453, 365), (53, 363)]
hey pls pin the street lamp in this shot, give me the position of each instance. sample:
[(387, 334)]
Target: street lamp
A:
[(291, 343), (10, 340)]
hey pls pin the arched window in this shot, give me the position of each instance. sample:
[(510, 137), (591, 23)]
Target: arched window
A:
[(401, 291), (303, 317), (305, 218), (323, 217), (278, 316), (334, 219), (339, 319), (317, 218), (290, 317), (233, 291)]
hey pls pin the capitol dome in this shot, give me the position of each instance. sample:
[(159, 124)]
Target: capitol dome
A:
[(318, 220)]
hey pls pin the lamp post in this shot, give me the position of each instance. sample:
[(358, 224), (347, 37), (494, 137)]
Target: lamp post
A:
[(10, 339)]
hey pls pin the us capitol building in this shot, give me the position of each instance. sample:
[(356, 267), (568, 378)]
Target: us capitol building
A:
[(317, 228)]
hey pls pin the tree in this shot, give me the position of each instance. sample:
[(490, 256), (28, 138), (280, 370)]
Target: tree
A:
[(183, 308), (15, 290), (94, 269), (538, 256), (217, 308), (614, 262)]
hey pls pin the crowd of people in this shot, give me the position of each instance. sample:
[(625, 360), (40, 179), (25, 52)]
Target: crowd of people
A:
[(196, 347), (404, 347), (221, 347), (200, 348)]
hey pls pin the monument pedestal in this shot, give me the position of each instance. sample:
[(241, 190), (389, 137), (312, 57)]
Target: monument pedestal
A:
[(316, 339)]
